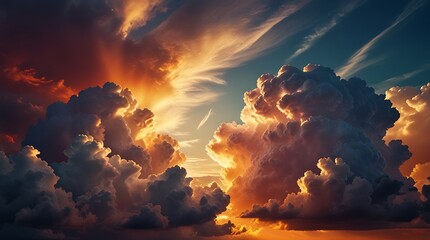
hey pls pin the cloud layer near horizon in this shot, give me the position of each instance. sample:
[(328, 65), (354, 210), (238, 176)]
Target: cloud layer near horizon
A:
[(101, 164), (281, 160)]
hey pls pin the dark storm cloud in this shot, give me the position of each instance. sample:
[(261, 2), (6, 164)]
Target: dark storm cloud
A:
[(426, 204), (295, 123), (49, 49), (108, 114), (60, 32), (29, 196), (22, 103), (85, 183), (171, 190), (335, 197), (35, 47), (149, 217), (211, 229)]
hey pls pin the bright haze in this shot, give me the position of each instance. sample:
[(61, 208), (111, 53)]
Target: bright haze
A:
[(217, 119)]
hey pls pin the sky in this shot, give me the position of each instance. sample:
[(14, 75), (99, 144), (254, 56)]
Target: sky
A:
[(333, 48), (214, 119)]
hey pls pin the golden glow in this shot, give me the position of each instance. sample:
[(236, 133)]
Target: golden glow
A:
[(413, 122), (420, 174), (268, 231), (136, 13)]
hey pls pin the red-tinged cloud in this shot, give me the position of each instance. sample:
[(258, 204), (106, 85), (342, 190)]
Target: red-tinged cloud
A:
[(83, 179), (295, 122), (70, 45), (23, 98), (413, 105)]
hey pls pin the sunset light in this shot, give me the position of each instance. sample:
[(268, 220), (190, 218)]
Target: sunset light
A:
[(214, 119)]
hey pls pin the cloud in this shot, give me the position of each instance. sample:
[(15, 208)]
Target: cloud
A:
[(322, 30), (205, 119), (73, 44), (136, 13), (24, 96), (421, 174), (109, 114), (182, 204), (294, 124), (188, 143), (413, 105), (211, 229), (86, 180), (149, 217), (332, 198), (29, 196), (426, 204), (358, 60), (209, 44), (388, 83), (39, 65)]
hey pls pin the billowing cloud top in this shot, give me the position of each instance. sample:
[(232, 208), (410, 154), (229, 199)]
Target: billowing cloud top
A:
[(83, 181), (311, 150)]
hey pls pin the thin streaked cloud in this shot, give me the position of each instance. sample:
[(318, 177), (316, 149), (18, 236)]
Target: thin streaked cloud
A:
[(205, 119), (188, 143), (216, 45), (386, 84), (197, 167), (322, 30), (358, 60)]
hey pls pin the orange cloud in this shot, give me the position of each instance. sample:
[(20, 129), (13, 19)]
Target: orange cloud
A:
[(137, 13), (414, 107), (24, 97), (76, 44)]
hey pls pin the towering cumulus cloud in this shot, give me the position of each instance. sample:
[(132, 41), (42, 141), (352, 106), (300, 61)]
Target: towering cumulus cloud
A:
[(414, 107), (311, 149), (101, 165)]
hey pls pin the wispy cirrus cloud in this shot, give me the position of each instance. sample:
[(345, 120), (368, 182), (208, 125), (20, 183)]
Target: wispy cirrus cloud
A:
[(168, 63), (386, 84), (195, 169), (358, 60), (205, 119), (323, 29), (188, 143), (136, 13), (209, 44)]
